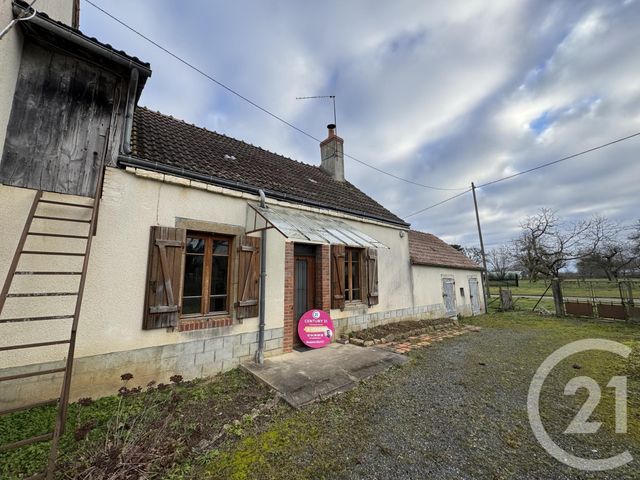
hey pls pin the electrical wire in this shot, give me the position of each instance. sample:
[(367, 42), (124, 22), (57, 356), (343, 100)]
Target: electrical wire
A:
[(254, 104), (508, 177), (548, 164), (10, 25), (437, 204)]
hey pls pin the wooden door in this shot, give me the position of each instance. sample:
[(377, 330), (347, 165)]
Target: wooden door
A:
[(304, 288), (449, 296), (474, 294)]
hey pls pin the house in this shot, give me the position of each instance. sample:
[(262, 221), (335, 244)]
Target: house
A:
[(434, 262), (196, 251)]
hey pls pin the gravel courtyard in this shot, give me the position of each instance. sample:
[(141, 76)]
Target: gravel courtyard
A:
[(456, 410)]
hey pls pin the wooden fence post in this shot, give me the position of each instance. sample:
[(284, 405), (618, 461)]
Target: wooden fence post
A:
[(558, 301)]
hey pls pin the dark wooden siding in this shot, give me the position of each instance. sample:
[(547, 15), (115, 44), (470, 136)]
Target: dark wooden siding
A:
[(60, 122)]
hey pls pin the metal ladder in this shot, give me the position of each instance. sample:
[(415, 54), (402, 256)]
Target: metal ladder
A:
[(28, 232)]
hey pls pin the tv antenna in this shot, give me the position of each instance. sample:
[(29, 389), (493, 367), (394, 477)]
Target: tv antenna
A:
[(332, 97)]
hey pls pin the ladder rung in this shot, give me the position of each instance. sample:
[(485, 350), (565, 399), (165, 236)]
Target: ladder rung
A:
[(32, 374), (42, 294), (47, 273), (57, 235), (44, 403), (27, 441), (61, 219), (65, 254), (33, 345), (53, 202), (35, 319)]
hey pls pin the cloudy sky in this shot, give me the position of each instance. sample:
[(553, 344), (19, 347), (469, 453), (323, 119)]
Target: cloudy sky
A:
[(441, 92)]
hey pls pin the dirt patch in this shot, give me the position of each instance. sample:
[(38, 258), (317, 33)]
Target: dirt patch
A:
[(396, 330)]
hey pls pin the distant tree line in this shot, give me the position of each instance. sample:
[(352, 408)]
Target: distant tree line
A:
[(546, 245)]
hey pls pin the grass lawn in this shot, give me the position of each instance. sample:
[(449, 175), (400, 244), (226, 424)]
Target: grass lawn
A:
[(456, 410), (571, 288)]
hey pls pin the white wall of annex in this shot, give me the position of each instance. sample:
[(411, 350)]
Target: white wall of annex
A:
[(427, 286)]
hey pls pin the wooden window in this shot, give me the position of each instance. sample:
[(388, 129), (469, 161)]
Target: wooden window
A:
[(353, 275), (207, 270)]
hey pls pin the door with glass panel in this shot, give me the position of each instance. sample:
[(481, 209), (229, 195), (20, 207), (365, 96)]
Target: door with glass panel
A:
[(304, 284)]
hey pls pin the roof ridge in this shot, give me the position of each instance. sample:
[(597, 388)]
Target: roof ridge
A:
[(199, 127), (164, 139)]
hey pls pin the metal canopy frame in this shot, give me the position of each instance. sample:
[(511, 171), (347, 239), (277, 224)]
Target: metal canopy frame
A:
[(309, 227)]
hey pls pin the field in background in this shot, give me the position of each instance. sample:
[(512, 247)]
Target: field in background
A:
[(598, 288)]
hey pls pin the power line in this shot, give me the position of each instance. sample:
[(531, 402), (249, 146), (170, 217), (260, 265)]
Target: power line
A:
[(508, 177), (251, 102), (437, 204), (559, 160)]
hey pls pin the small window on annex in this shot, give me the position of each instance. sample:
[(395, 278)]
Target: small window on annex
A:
[(352, 275), (206, 275)]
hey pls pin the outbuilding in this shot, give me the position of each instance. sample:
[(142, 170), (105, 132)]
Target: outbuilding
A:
[(440, 273)]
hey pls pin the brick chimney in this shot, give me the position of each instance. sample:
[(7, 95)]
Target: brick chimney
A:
[(332, 154)]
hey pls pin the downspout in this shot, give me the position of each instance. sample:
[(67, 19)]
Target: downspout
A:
[(263, 276), (128, 117)]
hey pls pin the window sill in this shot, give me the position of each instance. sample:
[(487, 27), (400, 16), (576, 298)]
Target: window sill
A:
[(187, 324)]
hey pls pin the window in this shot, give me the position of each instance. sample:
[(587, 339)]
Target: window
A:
[(206, 275), (462, 292), (352, 275)]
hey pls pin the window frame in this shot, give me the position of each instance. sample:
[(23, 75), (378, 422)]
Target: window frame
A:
[(348, 284), (205, 301)]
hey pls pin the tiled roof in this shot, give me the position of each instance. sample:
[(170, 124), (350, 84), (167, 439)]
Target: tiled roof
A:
[(168, 141), (427, 249)]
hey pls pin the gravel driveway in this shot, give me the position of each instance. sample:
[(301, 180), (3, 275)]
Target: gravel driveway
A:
[(458, 410)]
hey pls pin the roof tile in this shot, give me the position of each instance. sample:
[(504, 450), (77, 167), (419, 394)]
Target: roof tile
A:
[(427, 249), (166, 140)]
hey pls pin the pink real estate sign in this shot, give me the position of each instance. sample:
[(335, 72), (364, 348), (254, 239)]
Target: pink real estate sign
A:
[(315, 328)]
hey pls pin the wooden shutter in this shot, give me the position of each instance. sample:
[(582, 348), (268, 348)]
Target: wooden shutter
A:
[(372, 276), (248, 277), (337, 276), (164, 277)]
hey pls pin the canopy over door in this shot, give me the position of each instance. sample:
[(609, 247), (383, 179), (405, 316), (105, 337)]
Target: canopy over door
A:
[(308, 227)]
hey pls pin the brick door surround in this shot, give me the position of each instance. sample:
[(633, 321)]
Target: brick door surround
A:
[(323, 288)]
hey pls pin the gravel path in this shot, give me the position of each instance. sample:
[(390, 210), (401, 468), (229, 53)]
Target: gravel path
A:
[(460, 412), (457, 410)]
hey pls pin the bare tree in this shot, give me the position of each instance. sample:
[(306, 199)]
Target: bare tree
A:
[(547, 245), (615, 252), (500, 261), (634, 238), (473, 253)]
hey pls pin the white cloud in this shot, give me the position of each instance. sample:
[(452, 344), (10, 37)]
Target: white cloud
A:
[(441, 92)]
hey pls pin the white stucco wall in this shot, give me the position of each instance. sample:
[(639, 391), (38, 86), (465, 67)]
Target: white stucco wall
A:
[(394, 274), (11, 51), (427, 286), (113, 303), (112, 310)]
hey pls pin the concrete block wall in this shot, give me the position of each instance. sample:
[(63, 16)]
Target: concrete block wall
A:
[(99, 375)]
